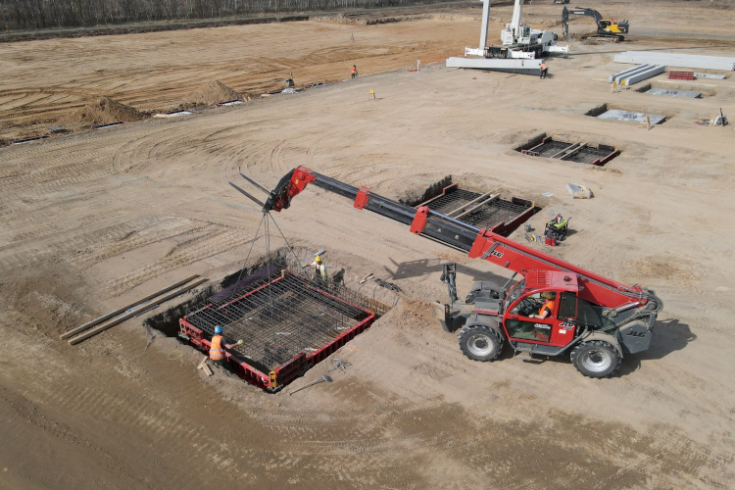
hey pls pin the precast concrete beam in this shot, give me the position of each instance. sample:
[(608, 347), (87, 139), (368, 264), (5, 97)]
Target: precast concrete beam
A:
[(652, 71), (677, 59), (522, 66)]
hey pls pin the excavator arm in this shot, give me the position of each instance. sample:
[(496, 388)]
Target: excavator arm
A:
[(476, 242)]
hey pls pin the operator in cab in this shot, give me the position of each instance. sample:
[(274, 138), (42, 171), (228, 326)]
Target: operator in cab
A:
[(548, 307)]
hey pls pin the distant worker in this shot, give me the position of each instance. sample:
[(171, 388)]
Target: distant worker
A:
[(217, 349), (320, 269), (548, 307), (544, 69), (354, 71)]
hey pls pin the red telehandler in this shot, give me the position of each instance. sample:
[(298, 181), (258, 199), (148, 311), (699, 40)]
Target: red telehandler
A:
[(592, 318)]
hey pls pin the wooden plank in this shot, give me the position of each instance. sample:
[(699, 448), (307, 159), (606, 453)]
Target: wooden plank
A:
[(468, 204), (120, 319), (82, 328), (565, 149), (491, 199)]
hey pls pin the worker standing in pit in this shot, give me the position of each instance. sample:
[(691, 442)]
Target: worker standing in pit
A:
[(354, 71), (544, 69), (548, 307), (217, 349), (320, 269)]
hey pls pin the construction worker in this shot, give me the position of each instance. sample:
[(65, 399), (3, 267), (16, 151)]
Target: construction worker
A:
[(544, 69), (354, 71), (320, 269), (217, 349), (548, 307)]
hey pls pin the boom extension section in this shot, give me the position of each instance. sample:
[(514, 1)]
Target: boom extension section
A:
[(477, 243)]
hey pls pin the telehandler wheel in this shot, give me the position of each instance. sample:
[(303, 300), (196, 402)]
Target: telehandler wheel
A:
[(480, 343), (596, 359)]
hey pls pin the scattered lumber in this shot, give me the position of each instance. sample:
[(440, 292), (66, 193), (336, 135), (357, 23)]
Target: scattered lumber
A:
[(101, 328), (96, 321)]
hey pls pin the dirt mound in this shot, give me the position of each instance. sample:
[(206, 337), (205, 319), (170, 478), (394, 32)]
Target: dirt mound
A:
[(211, 93), (103, 111)]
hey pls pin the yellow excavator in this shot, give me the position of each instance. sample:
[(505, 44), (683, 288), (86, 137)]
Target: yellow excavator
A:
[(607, 29)]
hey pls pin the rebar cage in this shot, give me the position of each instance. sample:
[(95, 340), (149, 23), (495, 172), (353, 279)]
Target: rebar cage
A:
[(287, 323)]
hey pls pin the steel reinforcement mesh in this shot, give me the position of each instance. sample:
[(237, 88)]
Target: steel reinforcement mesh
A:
[(585, 154), (485, 216), (279, 316), (551, 148)]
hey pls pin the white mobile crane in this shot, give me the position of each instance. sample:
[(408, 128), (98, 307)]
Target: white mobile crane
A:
[(521, 49), (519, 41)]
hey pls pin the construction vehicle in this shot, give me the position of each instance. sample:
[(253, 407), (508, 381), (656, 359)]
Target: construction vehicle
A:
[(607, 29), (594, 319), (518, 40), (520, 51)]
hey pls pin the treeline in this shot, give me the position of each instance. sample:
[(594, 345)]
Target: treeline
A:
[(45, 14)]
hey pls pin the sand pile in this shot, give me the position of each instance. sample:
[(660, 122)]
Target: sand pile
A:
[(103, 111), (211, 93)]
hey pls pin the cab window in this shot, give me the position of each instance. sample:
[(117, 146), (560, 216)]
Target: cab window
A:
[(582, 311)]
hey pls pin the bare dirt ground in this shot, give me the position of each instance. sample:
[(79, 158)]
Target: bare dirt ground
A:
[(94, 220)]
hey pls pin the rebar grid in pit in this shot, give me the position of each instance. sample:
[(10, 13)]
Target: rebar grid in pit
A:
[(278, 318)]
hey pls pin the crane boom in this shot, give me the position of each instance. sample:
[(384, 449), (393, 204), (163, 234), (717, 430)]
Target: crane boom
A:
[(476, 242)]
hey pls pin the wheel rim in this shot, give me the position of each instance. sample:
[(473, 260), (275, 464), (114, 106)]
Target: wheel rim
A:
[(480, 345), (596, 360)]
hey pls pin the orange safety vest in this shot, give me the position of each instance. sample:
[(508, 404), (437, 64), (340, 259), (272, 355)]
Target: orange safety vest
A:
[(354, 70), (543, 66), (550, 305), (216, 352)]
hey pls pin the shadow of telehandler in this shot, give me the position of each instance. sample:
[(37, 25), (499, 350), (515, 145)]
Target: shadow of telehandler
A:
[(423, 267), (668, 336)]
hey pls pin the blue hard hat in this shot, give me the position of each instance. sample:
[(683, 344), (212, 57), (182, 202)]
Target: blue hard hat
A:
[(217, 329)]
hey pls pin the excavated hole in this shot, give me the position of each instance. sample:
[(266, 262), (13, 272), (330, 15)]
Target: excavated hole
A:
[(584, 151), (283, 316), (167, 322), (480, 207)]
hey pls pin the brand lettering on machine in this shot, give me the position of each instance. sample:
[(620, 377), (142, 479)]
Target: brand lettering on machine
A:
[(633, 333), (492, 252)]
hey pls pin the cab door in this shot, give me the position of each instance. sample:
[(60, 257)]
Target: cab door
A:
[(522, 328), (566, 319)]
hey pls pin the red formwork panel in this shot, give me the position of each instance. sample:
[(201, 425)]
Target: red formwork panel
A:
[(445, 191), (277, 377), (681, 75)]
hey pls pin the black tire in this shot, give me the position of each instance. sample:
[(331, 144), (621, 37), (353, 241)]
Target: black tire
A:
[(596, 359), (480, 343)]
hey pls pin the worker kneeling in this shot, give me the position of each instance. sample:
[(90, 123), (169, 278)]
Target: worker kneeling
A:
[(217, 348), (547, 309)]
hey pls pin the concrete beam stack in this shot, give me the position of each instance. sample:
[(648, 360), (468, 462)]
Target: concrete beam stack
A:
[(635, 75)]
